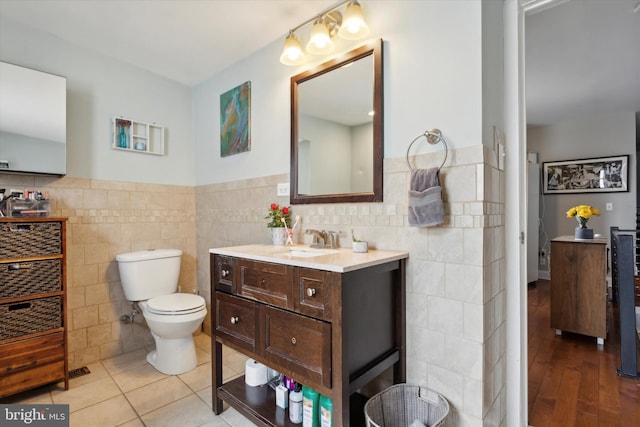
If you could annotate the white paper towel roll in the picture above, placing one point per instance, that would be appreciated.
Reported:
(255, 373)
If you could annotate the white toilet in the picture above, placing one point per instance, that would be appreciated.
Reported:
(151, 279)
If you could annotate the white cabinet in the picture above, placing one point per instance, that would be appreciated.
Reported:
(140, 137)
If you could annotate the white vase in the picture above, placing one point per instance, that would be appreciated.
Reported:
(360, 247)
(278, 235)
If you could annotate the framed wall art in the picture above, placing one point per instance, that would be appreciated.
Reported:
(597, 175)
(235, 120)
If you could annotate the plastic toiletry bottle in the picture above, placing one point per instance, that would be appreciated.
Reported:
(310, 399)
(289, 383)
(326, 411)
(295, 405)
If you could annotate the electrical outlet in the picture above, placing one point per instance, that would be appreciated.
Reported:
(283, 189)
(609, 206)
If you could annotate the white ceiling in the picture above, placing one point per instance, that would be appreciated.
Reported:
(184, 40)
(581, 56)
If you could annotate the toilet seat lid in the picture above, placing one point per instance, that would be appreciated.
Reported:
(176, 304)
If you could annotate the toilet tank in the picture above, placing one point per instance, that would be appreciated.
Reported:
(150, 273)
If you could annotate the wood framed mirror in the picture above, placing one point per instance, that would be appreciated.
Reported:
(337, 129)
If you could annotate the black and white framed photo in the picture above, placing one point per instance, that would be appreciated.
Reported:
(598, 175)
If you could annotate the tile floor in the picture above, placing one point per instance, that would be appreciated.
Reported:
(128, 391)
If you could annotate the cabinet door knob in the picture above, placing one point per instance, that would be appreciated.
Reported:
(311, 292)
(225, 273)
(234, 320)
(293, 340)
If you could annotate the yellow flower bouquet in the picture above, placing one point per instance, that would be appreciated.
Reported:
(582, 213)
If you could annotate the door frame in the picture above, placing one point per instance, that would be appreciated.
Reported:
(516, 216)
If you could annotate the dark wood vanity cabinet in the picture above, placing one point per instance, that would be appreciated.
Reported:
(33, 349)
(266, 282)
(300, 344)
(235, 319)
(334, 332)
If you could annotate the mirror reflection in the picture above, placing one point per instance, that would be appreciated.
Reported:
(335, 127)
(33, 119)
(337, 130)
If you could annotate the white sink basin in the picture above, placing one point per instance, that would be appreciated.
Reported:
(309, 252)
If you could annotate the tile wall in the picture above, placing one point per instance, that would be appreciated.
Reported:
(106, 218)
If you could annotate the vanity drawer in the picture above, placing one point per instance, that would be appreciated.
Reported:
(235, 321)
(298, 343)
(223, 273)
(266, 282)
(313, 292)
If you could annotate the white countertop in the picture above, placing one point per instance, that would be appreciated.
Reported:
(340, 260)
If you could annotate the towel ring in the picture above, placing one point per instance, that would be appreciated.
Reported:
(433, 136)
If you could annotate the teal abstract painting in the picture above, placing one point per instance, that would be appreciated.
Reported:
(235, 116)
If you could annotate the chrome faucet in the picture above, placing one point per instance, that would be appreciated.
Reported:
(332, 239)
(323, 239)
(319, 237)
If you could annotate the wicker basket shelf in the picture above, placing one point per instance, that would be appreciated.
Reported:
(28, 239)
(33, 336)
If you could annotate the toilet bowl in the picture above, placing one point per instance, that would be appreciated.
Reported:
(172, 327)
(150, 278)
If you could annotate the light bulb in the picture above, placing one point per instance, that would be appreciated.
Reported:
(353, 25)
(319, 41)
(292, 51)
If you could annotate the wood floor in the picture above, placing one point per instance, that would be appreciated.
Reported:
(572, 381)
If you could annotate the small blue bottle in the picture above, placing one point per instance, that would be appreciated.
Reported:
(122, 138)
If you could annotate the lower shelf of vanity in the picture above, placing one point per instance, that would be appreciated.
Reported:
(258, 404)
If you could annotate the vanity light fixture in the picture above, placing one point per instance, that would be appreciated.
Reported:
(349, 26)
(319, 41)
(292, 52)
(353, 26)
